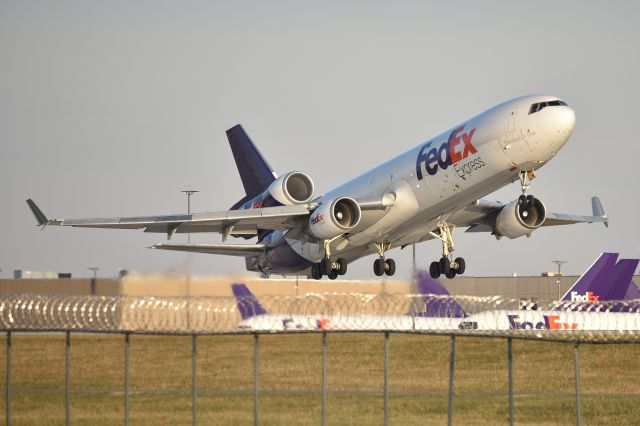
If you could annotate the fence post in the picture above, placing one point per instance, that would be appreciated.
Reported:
(386, 378)
(256, 371)
(68, 378)
(324, 378)
(127, 351)
(194, 380)
(452, 360)
(576, 366)
(9, 367)
(510, 357)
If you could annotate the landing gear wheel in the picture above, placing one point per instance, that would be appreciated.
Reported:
(316, 274)
(523, 200)
(445, 265)
(325, 266)
(342, 266)
(434, 270)
(378, 266)
(390, 267)
(461, 266)
(333, 274)
(451, 273)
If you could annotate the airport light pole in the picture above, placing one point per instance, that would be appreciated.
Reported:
(559, 263)
(189, 191)
(93, 280)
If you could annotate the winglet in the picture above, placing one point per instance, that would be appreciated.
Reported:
(596, 206)
(40, 217)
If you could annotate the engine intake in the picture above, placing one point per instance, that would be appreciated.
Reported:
(334, 218)
(292, 188)
(520, 217)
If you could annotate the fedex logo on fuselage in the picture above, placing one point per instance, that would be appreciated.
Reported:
(457, 148)
(549, 322)
(587, 297)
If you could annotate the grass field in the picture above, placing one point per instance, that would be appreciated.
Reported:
(160, 380)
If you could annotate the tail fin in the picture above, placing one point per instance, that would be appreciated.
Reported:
(248, 305)
(622, 276)
(255, 172)
(437, 306)
(596, 279)
(633, 292)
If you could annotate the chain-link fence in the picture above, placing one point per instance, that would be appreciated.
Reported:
(614, 322)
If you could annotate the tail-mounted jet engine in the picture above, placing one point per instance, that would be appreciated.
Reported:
(334, 218)
(289, 189)
(520, 217)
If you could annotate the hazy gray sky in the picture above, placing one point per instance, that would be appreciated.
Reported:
(111, 108)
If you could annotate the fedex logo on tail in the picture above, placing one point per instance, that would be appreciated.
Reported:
(587, 297)
(549, 322)
(457, 148)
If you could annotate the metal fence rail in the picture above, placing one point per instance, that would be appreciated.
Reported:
(257, 391)
(385, 314)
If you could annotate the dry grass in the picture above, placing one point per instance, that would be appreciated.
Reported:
(418, 377)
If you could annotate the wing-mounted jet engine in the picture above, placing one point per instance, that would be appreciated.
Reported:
(334, 218)
(331, 220)
(520, 217)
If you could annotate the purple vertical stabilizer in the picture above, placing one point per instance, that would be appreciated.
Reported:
(632, 292)
(438, 300)
(596, 279)
(248, 305)
(622, 277)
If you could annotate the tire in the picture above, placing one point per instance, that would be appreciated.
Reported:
(343, 266)
(445, 265)
(434, 270)
(315, 271)
(530, 199)
(378, 267)
(461, 266)
(390, 267)
(451, 274)
(325, 266)
(523, 201)
(333, 274)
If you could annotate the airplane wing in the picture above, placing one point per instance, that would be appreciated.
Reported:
(229, 222)
(479, 216)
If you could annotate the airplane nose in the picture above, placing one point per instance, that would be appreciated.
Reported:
(567, 120)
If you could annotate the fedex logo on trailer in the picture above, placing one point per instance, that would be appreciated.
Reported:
(587, 297)
(549, 322)
(457, 148)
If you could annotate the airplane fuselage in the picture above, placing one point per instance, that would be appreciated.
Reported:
(434, 181)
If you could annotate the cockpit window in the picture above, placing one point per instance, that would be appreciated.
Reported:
(538, 106)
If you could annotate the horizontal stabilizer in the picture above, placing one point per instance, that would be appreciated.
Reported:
(246, 250)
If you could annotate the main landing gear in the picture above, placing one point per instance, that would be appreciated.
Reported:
(326, 266)
(446, 266)
(381, 265)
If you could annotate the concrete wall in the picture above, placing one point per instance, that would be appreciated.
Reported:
(542, 288)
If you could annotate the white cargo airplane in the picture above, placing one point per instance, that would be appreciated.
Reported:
(424, 193)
